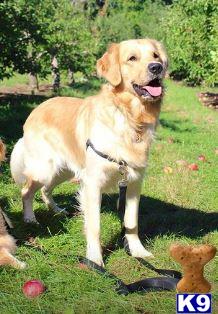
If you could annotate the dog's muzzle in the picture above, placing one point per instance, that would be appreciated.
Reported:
(153, 89)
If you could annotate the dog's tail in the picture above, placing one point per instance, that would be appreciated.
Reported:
(17, 163)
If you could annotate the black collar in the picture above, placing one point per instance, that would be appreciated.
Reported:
(105, 156)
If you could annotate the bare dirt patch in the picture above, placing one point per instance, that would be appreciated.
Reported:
(22, 89)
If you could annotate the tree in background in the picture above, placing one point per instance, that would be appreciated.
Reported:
(35, 34)
(192, 40)
(17, 31)
(69, 39)
(124, 20)
(69, 35)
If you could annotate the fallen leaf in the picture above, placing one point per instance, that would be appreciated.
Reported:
(170, 140)
(181, 162)
(168, 169)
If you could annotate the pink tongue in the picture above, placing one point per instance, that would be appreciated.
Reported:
(153, 90)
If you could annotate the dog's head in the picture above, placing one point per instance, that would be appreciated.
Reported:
(136, 66)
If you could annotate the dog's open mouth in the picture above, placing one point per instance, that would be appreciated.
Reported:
(153, 89)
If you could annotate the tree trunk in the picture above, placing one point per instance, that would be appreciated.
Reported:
(33, 82)
(32, 76)
(71, 79)
(55, 74)
(103, 10)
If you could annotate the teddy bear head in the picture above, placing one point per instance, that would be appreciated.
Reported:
(188, 254)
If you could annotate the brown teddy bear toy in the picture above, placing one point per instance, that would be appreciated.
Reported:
(193, 259)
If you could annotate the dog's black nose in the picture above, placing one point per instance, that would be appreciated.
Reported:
(155, 68)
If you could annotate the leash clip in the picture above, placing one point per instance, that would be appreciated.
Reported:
(124, 173)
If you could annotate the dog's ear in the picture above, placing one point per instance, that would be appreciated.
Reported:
(108, 66)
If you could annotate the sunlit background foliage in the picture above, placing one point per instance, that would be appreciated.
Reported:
(76, 33)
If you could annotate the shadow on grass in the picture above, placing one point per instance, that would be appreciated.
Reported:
(15, 108)
(158, 218)
(14, 111)
(50, 223)
(175, 125)
(155, 218)
(16, 99)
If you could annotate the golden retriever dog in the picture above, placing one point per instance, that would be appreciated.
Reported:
(7, 242)
(119, 121)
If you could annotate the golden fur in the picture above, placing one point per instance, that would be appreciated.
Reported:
(118, 120)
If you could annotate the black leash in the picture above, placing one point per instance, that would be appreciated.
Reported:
(163, 272)
(146, 285)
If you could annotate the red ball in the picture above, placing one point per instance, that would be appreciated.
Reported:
(33, 288)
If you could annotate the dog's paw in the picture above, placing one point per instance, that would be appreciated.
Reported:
(31, 220)
(21, 265)
(143, 254)
(95, 257)
(136, 249)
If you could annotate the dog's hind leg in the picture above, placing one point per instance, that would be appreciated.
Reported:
(28, 193)
(46, 192)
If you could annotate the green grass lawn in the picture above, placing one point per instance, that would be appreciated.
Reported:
(179, 206)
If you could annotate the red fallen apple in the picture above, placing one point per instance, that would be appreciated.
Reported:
(193, 167)
(33, 288)
(201, 158)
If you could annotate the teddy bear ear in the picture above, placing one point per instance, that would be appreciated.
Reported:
(206, 252)
(179, 252)
(175, 247)
(108, 66)
(174, 250)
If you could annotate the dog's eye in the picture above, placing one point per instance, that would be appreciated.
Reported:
(155, 55)
(132, 58)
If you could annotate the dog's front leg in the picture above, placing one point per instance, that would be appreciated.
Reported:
(131, 221)
(90, 205)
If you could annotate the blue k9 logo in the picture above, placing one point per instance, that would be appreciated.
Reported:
(193, 303)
